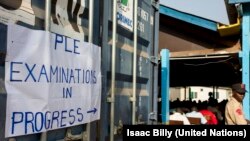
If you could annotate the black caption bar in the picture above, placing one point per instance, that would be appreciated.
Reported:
(181, 132)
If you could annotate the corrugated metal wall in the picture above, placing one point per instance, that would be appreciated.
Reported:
(124, 69)
(31, 13)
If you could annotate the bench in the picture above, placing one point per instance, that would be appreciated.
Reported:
(194, 120)
(175, 122)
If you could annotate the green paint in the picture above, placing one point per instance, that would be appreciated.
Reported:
(124, 2)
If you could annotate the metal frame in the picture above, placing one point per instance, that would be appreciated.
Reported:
(188, 18)
(245, 56)
(47, 28)
(133, 98)
(238, 1)
(155, 66)
(165, 86)
(105, 60)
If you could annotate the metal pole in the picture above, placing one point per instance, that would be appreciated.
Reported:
(46, 27)
(105, 103)
(165, 86)
(112, 97)
(134, 63)
(155, 67)
(245, 56)
(91, 17)
(90, 39)
(47, 15)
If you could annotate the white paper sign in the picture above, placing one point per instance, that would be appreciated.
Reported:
(52, 81)
(125, 13)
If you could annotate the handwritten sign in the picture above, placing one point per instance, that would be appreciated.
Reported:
(52, 81)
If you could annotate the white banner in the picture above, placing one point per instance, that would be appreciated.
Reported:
(52, 81)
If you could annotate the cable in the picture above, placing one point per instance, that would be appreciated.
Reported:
(208, 62)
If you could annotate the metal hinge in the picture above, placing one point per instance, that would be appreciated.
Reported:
(153, 116)
(154, 60)
(155, 4)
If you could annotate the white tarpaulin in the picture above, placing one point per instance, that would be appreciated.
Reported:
(52, 81)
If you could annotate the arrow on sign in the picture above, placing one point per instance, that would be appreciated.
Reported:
(92, 111)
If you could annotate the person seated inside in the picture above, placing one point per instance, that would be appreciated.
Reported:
(178, 115)
(209, 115)
(196, 114)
